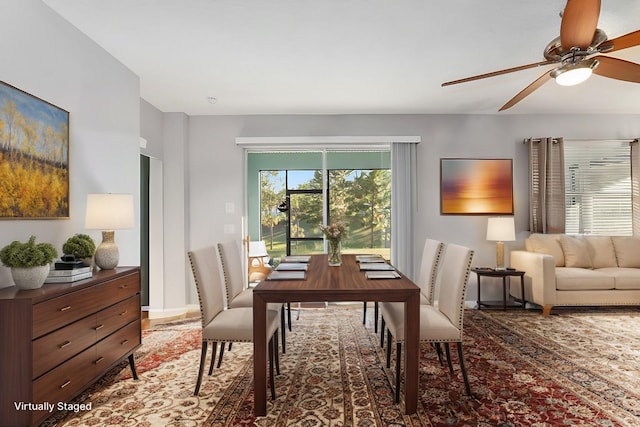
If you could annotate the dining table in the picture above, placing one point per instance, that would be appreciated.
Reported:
(324, 283)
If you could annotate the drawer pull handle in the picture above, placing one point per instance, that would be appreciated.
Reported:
(64, 344)
(97, 328)
(124, 342)
(65, 308)
(124, 312)
(99, 360)
(65, 384)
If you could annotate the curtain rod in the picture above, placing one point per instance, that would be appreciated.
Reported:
(538, 140)
(555, 140)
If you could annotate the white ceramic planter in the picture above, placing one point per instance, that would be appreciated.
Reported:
(30, 277)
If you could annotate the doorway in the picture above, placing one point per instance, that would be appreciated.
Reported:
(151, 233)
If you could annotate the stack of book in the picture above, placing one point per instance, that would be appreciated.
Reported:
(68, 271)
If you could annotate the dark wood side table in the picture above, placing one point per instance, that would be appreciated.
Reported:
(504, 274)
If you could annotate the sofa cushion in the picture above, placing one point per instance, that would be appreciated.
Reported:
(576, 253)
(601, 251)
(582, 279)
(625, 278)
(546, 244)
(627, 251)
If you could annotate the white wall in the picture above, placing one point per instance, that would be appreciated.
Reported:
(215, 164)
(47, 57)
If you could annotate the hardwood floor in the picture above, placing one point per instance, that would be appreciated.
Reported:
(149, 323)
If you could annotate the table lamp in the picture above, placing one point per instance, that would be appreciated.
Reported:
(258, 271)
(500, 230)
(108, 212)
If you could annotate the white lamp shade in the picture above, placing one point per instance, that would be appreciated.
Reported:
(258, 249)
(109, 211)
(501, 229)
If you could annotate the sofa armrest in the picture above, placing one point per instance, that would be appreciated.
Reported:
(539, 278)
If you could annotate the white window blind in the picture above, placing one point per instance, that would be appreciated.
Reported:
(598, 187)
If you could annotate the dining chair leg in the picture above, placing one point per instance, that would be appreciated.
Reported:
(364, 313)
(448, 353)
(271, 377)
(463, 369)
(203, 356)
(275, 351)
(388, 349)
(382, 324)
(398, 360)
(219, 358)
(438, 349)
(213, 359)
(375, 316)
(283, 327)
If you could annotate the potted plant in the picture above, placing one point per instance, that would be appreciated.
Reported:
(81, 246)
(29, 262)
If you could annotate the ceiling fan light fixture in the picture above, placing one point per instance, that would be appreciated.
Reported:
(572, 74)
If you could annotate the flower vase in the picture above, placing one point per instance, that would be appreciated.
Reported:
(335, 253)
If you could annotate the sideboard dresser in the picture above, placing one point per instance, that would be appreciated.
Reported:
(58, 340)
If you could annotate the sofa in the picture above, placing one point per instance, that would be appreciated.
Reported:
(578, 270)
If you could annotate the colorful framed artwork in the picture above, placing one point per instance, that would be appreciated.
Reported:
(34, 157)
(476, 186)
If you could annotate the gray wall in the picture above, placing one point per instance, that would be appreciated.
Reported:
(46, 57)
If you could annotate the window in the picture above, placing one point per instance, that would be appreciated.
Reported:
(292, 193)
(598, 187)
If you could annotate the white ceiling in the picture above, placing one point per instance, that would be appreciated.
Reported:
(347, 56)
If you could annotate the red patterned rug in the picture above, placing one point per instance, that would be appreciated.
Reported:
(577, 368)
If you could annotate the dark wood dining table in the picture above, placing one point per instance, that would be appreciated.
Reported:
(342, 283)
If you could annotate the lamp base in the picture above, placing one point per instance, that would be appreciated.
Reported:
(500, 256)
(107, 254)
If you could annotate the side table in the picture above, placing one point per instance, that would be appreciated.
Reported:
(504, 274)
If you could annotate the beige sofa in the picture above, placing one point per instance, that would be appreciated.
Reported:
(585, 270)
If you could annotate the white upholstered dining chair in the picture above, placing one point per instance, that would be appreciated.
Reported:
(220, 325)
(441, 324)
(428, 276)
(237, 295)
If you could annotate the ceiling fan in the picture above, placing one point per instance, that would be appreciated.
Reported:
(578, 51)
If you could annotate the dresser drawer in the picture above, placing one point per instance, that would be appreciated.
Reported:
(118, 290)
(118, 344)
(57, 312)
(51, 350)
(66, 380)
(115, 317)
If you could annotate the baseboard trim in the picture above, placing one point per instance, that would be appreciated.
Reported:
(168, 314)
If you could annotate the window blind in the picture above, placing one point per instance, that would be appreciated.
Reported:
(598, 187)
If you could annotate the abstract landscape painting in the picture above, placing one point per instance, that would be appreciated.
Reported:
(476, 186)
(34, 157)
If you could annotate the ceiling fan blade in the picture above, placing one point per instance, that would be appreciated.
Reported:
(618, 69)
(497, 73)
(579, 22)
(527, 91)
(623, 42)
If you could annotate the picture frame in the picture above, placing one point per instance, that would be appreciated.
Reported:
(476, 186)
(34, 157)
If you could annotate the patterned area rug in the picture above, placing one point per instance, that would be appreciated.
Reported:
(577, 368)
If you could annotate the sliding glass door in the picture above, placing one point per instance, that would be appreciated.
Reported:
(290, 194)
